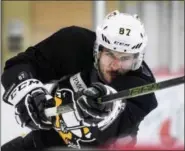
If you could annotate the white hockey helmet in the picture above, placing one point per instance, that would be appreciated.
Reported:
(122, 33)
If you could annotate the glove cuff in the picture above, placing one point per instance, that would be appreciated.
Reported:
(20, 91)
(101, 87)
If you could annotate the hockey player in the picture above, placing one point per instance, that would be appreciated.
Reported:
(88, 65)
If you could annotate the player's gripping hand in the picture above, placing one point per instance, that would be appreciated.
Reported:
(30, 110)
(30, 98)
(88, 106)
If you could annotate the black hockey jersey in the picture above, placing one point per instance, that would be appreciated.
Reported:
(124, 123)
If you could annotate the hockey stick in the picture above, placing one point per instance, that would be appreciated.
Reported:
(142, 90)
(124, 94)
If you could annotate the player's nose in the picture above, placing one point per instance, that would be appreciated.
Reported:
(115, 65)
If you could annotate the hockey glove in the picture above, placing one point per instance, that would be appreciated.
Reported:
(30, 98)
(87, 105)
(34, 105)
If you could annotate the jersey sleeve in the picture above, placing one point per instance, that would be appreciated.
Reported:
(136, 109)
(52, 58)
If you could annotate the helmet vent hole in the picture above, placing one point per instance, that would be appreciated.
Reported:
(105, 27)
(141, 35)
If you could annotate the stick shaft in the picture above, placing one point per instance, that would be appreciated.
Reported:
(142, 90)
(124, 94)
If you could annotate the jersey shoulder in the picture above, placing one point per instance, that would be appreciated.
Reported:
(144, 73)
(76, 32)
(68, 37)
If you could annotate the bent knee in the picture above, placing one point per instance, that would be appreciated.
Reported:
(14, 145)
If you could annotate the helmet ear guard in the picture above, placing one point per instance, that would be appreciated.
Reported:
(122, 33)
(136, 65)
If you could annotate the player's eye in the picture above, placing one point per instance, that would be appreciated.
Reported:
(124, 58)
(109, 53)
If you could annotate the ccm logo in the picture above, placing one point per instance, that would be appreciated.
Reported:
(22, 86)
(121, 43)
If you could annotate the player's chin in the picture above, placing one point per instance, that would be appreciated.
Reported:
(123, 71)
(109, 76)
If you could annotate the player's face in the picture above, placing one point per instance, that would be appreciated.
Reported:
(112, 63)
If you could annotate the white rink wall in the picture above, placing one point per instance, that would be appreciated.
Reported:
(169, 114)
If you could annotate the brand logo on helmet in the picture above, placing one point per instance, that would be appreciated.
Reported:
(120, 43)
